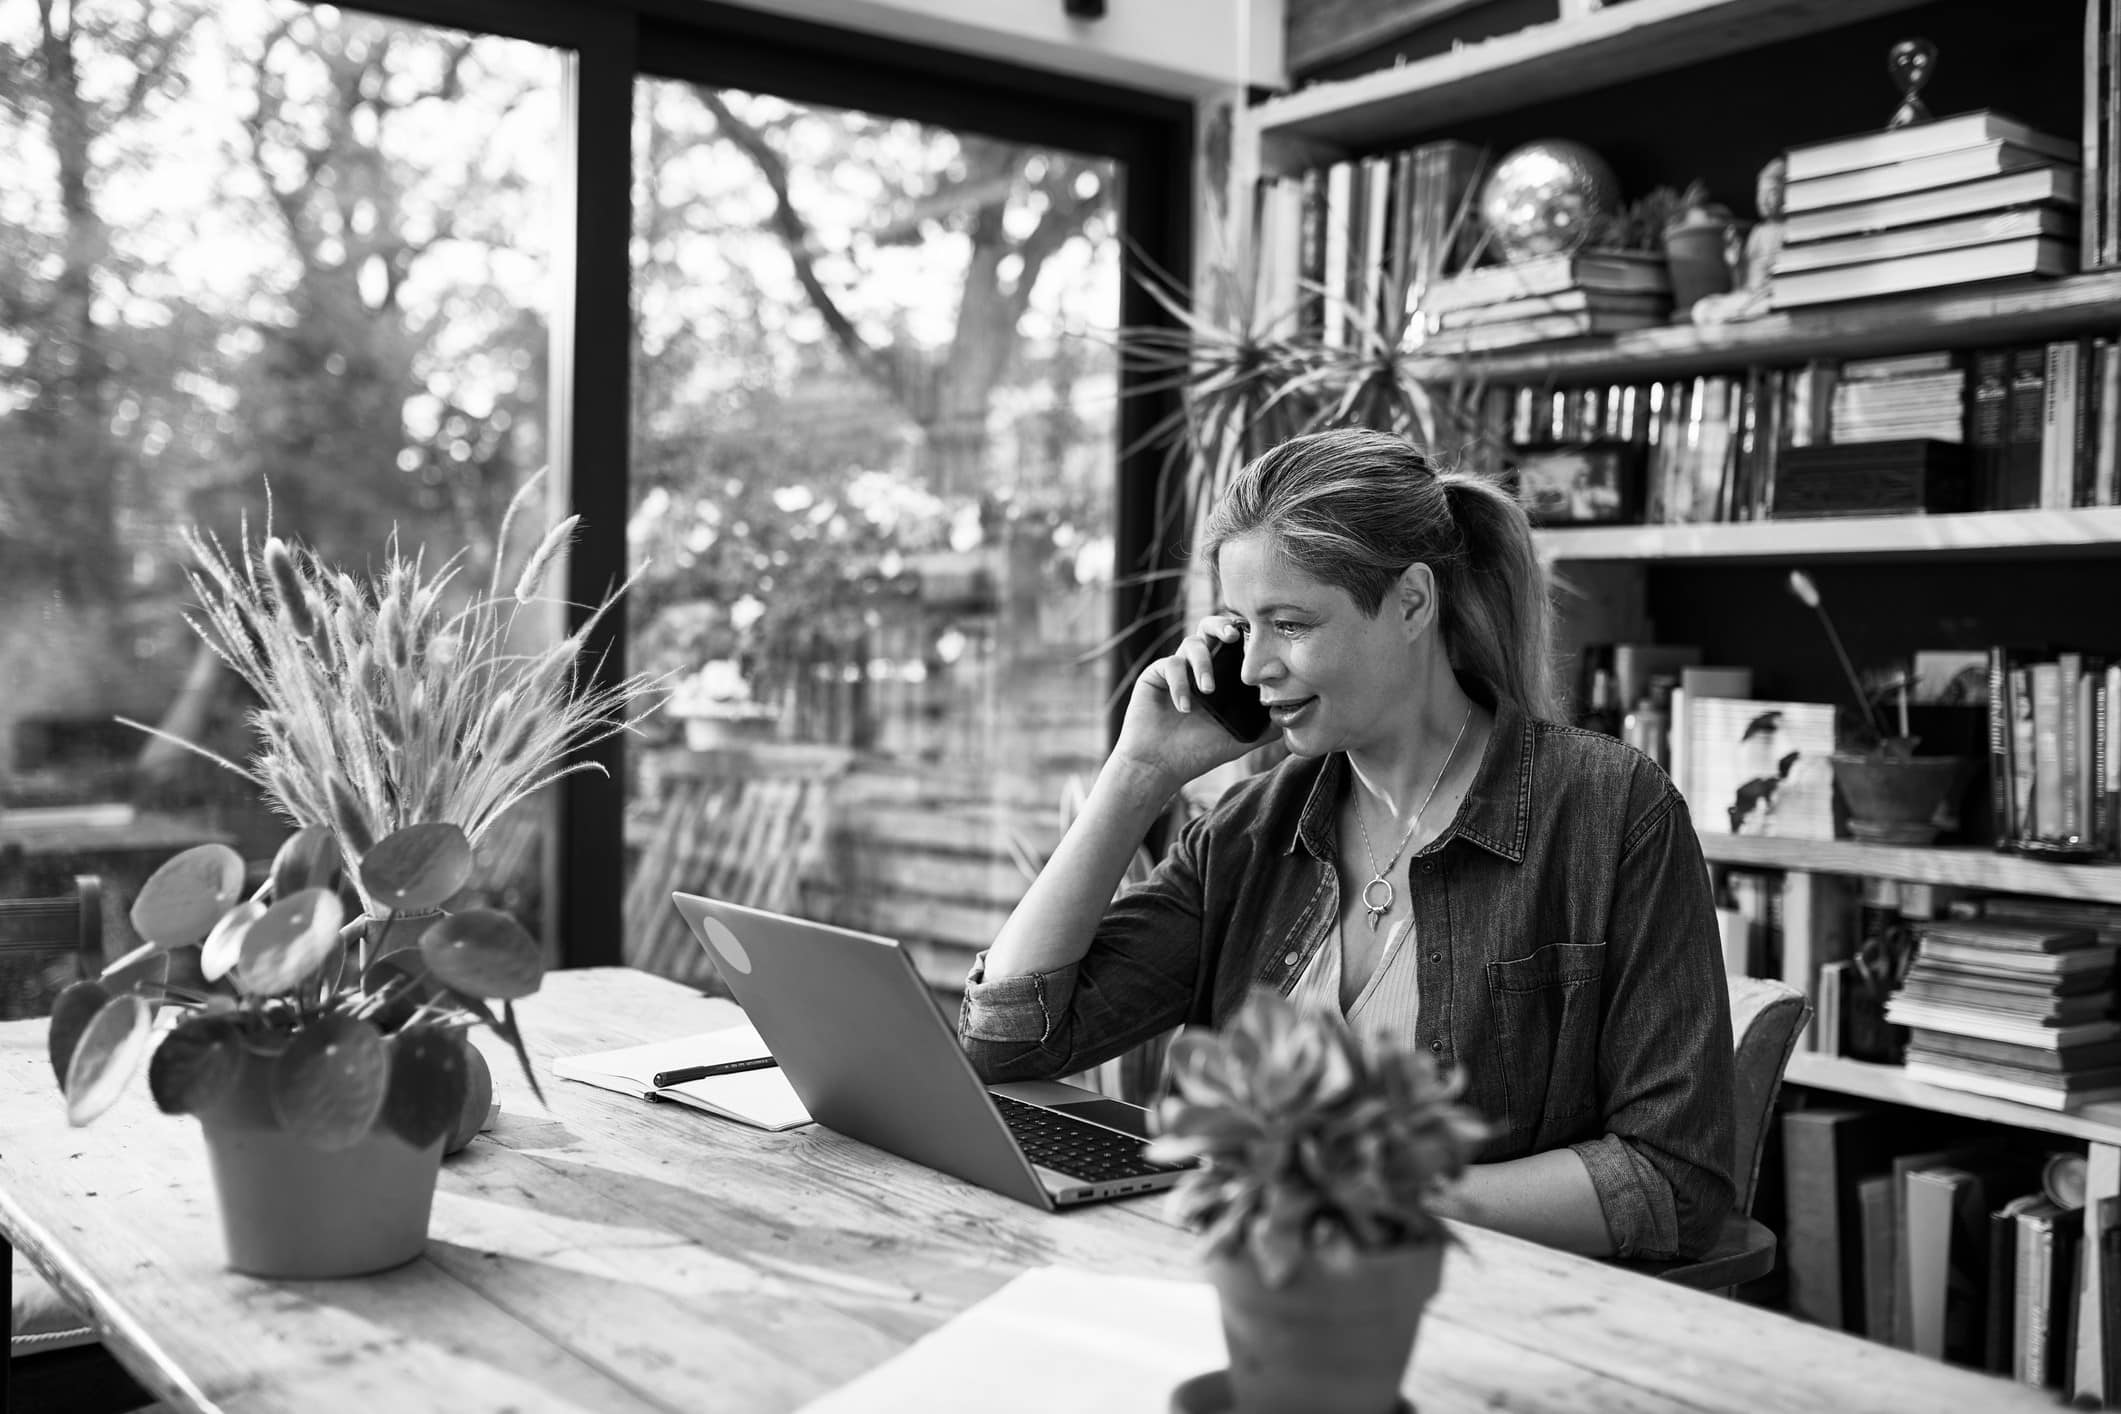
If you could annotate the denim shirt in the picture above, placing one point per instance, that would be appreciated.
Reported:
(1569, 964)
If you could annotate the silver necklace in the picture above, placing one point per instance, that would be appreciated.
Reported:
(1378, 880)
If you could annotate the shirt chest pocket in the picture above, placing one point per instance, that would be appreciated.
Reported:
(1545, 1012)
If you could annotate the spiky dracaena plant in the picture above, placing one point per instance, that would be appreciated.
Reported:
(384, 704)
(395, 729)
(1312, 1145)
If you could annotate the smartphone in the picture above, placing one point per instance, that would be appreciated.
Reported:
(1235, 703)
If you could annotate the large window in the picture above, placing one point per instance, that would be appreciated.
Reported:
(247, 251)
(389, 263)
(873, 471)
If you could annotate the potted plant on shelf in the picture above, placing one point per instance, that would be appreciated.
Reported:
(1892, 795)
(1319, 1157)
(327, 1059)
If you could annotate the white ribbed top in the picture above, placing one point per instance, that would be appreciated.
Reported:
(1389, 1006)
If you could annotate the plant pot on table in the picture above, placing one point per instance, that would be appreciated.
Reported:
(1330, 1341)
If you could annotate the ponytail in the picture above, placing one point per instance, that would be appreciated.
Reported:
(1354, 508)
(1497, 610)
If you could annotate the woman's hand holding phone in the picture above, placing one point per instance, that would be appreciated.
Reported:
(1175, 723)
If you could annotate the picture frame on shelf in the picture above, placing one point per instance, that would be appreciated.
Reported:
(1592, 483)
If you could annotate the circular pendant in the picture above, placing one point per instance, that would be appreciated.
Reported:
(1377, 910)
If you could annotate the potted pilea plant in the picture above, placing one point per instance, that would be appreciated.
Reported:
(1319, 1157)
(324, 1050)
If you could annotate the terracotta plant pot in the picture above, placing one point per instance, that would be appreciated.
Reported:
(293, 1211)
(1697, 257)
(1899, 800)
(1329, 1342)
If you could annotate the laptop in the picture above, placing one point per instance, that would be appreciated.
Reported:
(865, 1045)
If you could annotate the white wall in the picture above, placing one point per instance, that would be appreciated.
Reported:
(1185, 48)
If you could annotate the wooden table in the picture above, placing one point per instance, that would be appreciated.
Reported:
(614, 1255)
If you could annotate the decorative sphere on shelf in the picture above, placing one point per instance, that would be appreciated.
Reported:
(1546, 197)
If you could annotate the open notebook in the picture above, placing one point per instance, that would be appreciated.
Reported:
(758, 1097)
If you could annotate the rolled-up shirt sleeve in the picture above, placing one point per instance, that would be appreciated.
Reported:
(1663, 1167)
(1136, 981)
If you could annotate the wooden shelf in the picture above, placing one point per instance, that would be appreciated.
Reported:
(1966, 867)
(1983, 535)
(1397, 106)
(2100, 1123)
(2005, 312)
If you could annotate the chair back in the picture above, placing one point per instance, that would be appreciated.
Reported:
(46, 943)
(1767, 1017)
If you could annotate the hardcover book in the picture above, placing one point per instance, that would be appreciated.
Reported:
(2001, 260)
(1551, 274)
(2033, 186)
(1931, 236)
(1916, 174)
(1760, 768)
(1940, 135)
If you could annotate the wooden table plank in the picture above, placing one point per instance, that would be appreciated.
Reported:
(616, 1254)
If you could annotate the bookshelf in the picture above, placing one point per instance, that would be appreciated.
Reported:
(1568, 56)
(1669, 90)
(2094, 1123)
(2054, 534)
(1961, 317)
(1970, 868)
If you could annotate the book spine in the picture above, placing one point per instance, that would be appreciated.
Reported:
(2020, 488)
(2024, 751)
(1812, 1238)
(2000, 1347)
(2002, 821)
(1874, 1198)
(1988, 424)
(2106, 438)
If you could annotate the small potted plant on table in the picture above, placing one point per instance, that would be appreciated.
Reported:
(326, 1059)
(1318, 1160)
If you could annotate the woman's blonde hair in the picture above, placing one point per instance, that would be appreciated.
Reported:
(1354, 508)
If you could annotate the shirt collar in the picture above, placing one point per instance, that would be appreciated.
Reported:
(1495, 813)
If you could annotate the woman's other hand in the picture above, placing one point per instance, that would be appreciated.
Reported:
(1167, 732)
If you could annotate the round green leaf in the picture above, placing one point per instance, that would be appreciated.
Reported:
(144, 972)
(405, 974)
(195, 1064)
(484, 953)
(418, 867)
(181, 900)
(308, 860)
(223, 947)
(71, 1014)
(109, 1052)
(289, 943)
(429, 1075)
(328, 1086)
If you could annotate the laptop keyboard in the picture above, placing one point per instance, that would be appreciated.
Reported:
(1076, 1147)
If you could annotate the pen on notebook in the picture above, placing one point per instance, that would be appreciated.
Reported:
(701, 1072)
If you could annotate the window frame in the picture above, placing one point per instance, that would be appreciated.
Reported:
(699, 41)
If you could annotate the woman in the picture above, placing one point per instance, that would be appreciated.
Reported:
(1438, 857)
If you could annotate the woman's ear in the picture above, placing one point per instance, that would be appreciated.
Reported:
(1415, 599)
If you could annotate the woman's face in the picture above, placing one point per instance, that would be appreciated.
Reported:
(1333, 677)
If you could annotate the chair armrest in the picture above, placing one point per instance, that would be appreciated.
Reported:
(1744, 1251)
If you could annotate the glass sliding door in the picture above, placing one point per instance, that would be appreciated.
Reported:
(247, 247)
(874, 446)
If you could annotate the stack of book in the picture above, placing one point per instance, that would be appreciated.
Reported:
(1978, 196)
(1896, 399)
(1551, 297)
(2017, 1010)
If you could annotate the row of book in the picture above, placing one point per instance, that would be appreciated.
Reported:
(2014, 998)
(2035, 426)
(2054, 752)
(1369, 235)
(1966, 198)
(1954, 1241)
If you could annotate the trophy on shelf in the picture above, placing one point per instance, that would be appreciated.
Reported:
(1911, 62)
